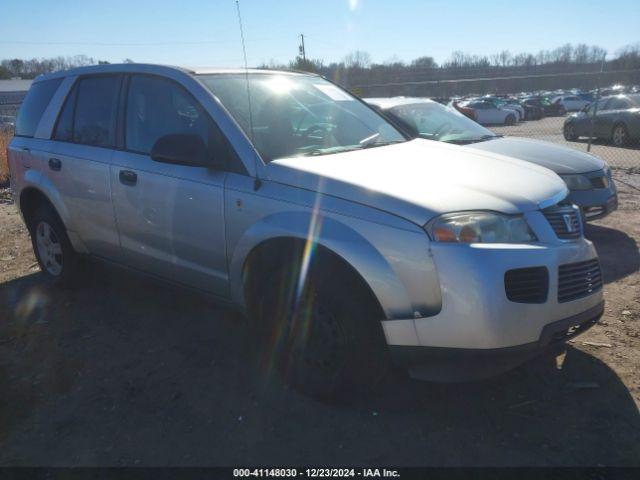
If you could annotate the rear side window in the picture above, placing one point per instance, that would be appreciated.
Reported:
(95, 113)
(34, 105)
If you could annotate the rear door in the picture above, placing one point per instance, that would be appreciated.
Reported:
(78, 162)
(170, 217)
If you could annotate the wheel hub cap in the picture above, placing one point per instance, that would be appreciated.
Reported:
(49, 248)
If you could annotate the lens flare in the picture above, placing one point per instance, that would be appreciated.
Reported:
(294, 304)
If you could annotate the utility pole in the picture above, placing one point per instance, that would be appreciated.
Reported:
(303, 54)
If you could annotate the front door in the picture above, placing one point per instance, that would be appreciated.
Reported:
(170, 217)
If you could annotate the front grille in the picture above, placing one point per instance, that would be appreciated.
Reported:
(600, 182)
(577, 280)
(565, 221)
(527, 285)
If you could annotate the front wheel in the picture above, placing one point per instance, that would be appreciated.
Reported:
(323, 338)
(53, 250)
(510, 120)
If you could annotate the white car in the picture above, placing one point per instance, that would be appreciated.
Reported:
(488, 114)
(571, 103)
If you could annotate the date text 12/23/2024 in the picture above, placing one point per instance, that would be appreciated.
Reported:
(315, 472)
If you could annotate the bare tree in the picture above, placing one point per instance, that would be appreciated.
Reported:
(357, 59)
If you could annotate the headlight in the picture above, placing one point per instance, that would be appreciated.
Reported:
(480, 227)
(577, 182)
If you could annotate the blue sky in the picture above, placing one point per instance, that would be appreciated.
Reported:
(205, 32)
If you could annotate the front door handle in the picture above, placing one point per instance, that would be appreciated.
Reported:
(127, 177)
(55, 164)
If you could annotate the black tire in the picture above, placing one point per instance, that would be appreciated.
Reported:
(57, 259)
(620, 135)
(569, 132)
(562, 111)
(510, 120)
(329, 343)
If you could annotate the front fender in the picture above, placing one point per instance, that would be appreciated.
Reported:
(335, 235)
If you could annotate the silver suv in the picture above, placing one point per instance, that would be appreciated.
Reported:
(345, 243)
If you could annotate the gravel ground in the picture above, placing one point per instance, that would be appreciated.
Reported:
(126, 371)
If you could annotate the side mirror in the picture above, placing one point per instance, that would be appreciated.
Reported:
(181, 149)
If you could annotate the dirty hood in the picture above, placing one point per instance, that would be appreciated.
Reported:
(560, 159)
(420, 179)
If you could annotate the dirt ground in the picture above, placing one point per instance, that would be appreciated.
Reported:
(126, 371)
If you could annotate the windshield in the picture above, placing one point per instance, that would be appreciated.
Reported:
(437, 122)
(294, 115)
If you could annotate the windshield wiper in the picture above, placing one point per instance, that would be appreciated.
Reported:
(467, 141)
(381, 144)
(348, 148)
(369, 140)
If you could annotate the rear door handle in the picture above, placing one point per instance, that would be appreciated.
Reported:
(55, 164)
(127, 177)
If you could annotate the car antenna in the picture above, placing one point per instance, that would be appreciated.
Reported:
(257, 182)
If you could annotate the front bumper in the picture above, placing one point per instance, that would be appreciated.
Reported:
(475, 311)
(458, 364)
(596, 202)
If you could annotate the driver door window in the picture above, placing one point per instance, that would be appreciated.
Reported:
(157, 107)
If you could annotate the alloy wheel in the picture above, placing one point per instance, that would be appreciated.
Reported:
(619, 136)
(49, 248)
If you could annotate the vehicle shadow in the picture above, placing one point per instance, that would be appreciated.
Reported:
(126, 371)
(618, 252)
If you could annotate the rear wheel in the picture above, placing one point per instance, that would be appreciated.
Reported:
(510, 119)
(619, 135)
(562, 111)
(325, 338)
(53, 250)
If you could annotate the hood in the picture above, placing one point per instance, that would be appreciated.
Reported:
(420, 179)
(558, 158)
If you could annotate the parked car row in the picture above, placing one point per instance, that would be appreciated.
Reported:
(615, 118)
(348, 235)
(507, 110)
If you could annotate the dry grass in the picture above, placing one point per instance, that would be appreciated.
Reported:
(5, 138)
